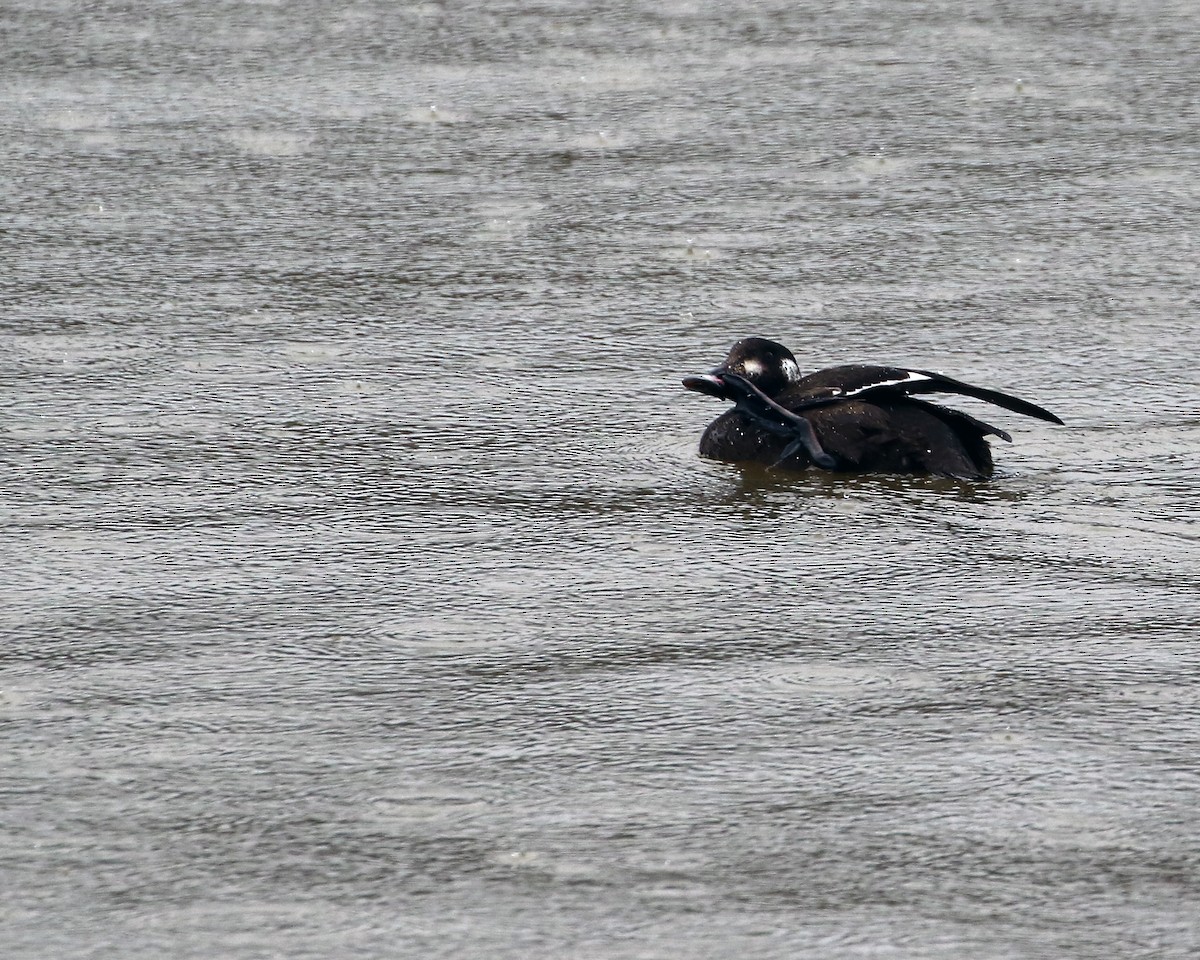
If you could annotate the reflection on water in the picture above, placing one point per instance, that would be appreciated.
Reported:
(365, 593)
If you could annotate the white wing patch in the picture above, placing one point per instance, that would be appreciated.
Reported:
(911, 377)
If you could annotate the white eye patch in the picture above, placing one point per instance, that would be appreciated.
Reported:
(752, 367)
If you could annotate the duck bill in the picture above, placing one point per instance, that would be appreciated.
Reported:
(709, 384)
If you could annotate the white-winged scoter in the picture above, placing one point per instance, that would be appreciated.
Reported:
(854, 418)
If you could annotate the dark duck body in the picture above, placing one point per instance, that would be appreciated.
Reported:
(855, 418)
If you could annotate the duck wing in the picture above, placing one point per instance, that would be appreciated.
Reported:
(861, 381)
(960, 420)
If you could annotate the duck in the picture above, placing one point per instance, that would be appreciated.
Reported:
(856, 418)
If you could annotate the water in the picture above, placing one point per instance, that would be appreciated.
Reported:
(363, 594)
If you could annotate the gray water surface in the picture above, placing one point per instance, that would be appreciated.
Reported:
(363, 594)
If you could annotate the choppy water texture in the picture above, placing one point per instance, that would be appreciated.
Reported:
(363, 595)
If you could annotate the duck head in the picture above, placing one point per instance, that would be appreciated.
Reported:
(768, 365)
